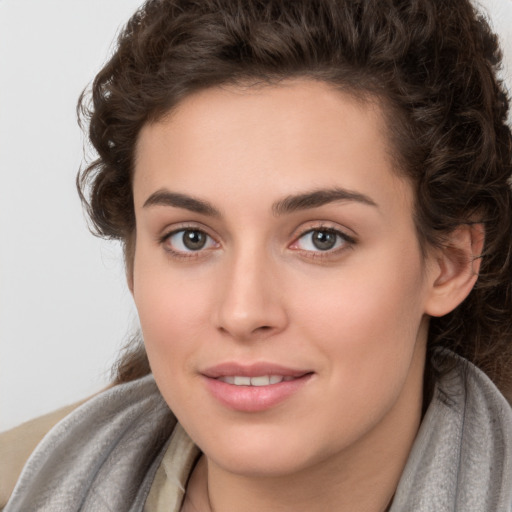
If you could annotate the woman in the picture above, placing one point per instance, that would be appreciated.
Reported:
(314, 203)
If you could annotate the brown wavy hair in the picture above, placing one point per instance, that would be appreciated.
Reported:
(430, 64)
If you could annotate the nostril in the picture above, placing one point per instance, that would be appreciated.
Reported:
(264, 328)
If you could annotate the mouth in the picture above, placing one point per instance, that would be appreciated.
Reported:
(261, 380)
(254, 388)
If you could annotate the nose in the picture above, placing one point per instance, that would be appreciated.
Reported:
(251, 304)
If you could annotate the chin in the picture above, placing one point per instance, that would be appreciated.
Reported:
(262, 451)
(261, 464)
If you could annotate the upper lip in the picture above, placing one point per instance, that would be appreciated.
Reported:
(251, 370)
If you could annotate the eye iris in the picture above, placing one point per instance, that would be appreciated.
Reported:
(194, 240)
(324, 240)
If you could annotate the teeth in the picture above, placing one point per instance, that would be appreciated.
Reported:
(263, 380)
(260, 381)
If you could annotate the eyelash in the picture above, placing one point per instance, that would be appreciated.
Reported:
(342, 242)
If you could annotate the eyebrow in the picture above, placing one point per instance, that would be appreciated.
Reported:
(289, 204)
(166, 198)
(318, 198)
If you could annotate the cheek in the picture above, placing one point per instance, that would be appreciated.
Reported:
(170, 317)
(172, 308)
(366, 320)
(367, 330)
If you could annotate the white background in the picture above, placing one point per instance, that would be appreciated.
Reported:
(64, 307)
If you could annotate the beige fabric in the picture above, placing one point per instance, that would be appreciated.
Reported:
(17, 444)
(170, 481)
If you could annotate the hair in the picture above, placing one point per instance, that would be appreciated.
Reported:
(430, 65)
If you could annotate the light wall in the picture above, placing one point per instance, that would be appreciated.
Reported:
(64, 306)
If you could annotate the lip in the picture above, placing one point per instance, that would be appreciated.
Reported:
(253, 398)
(251, 370)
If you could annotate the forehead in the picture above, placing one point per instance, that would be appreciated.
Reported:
(233, 142)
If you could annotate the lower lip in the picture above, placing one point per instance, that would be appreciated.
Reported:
(254, 398)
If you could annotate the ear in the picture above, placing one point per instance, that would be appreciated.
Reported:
(454, 269)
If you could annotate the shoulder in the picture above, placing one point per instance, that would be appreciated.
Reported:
(18, 443)
(111, 442)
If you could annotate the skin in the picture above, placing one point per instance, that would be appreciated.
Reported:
(354, 316)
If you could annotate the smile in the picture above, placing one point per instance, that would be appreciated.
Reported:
(262, 380)
(254, 388)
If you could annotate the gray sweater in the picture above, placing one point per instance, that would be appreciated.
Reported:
(104, 456)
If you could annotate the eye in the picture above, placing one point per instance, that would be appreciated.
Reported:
(321, 240)
(188, 240)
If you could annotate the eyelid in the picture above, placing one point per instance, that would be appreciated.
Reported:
(171, 229)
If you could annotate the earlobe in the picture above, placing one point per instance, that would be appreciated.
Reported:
(455, 268)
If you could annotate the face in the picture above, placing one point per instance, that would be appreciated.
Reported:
(277, 275)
